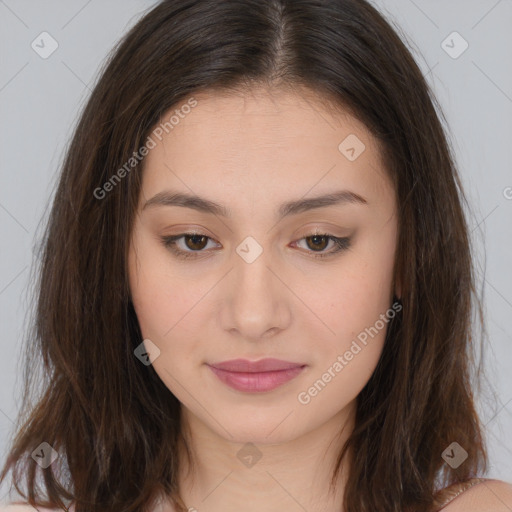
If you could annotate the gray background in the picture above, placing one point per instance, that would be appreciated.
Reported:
(40, 99)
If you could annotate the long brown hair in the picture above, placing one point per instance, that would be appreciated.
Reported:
(117, 448)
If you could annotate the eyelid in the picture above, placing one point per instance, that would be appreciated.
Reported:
(170, 243)
(340, 244)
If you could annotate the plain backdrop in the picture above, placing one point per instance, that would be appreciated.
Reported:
(470, 72)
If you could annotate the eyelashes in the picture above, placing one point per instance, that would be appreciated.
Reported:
(339, 244)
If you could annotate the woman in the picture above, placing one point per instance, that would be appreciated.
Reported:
(257, 283)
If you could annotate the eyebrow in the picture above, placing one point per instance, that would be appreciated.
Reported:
(185, 200)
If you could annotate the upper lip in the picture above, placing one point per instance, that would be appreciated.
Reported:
(263, 365)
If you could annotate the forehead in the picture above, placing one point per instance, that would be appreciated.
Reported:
(261, 144)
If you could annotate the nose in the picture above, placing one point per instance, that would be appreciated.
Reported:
(257, 301)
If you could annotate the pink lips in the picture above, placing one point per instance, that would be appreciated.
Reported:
(263, 375)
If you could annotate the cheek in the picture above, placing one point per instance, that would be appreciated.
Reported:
(152, 288)
(153, 293)
(358, 310)
(347, 360)
(165, 302)
(355, 295)
(160, 305)
(160, 302)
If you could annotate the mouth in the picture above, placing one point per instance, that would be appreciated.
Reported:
(257, 376)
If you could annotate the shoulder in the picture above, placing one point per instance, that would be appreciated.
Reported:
(16, 507)
(25, 507)
(486, 496)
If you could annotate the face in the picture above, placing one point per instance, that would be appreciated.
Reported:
(268, 273)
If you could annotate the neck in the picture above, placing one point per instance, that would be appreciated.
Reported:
(222, 475)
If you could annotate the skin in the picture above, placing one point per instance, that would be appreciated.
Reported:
(251, 152)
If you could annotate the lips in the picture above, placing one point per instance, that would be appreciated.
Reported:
(256, 376)
(264, 365)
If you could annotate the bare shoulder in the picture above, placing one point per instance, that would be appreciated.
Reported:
(23, 507)
(486, 496)
(18, 507)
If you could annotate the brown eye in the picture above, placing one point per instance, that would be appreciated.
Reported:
(190, 245)
(319, 242)
(197, 242)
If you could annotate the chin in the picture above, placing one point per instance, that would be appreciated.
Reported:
(274, 429)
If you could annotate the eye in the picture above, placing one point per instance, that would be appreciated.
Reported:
(320, 240)
(195, 244)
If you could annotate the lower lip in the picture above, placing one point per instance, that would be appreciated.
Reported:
(256, 382)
